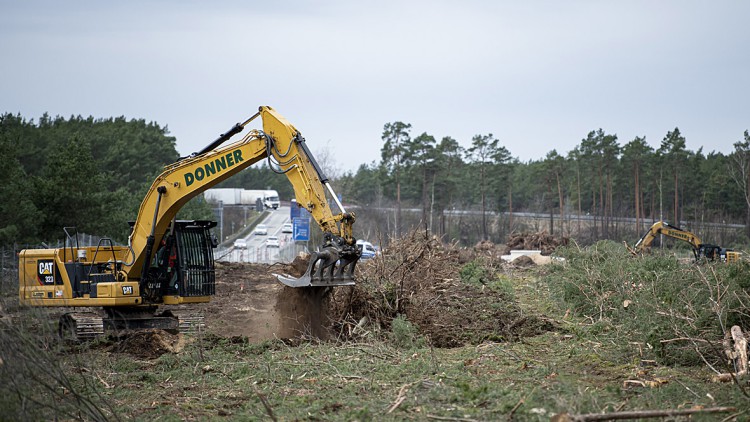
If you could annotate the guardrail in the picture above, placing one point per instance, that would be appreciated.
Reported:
(285, 253)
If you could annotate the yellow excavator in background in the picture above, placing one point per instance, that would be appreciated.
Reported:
(169, 261)
(702, 251)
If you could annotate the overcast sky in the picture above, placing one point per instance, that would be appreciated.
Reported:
(538, 75)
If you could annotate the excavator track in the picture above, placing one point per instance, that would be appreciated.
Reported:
(191, 323)
(80, 326)
(76, 327)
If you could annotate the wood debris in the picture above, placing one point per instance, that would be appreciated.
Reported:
(446, 291)
(542, 241)
(735, 347)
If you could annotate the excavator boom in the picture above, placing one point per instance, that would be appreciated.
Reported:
(284, 146)
(168, 261)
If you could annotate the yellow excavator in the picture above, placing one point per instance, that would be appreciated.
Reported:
(169, 261)
(701, 251)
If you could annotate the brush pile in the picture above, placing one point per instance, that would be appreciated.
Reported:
(542, 241)
(453, 296)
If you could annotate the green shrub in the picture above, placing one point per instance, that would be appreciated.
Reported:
(404, 334)
(473, 273)
(481, 274)
(671, 307)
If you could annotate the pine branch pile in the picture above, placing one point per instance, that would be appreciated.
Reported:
(452, 295)
(536, 241)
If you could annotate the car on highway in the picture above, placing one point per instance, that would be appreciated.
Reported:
(272, 242)
(240, 244)
(286, 228)
(368, 250)
(261, 230)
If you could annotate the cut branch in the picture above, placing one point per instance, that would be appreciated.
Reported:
(636, 414)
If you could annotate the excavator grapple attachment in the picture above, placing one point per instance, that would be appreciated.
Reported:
(328, 267)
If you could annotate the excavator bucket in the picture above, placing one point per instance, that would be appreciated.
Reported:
(327, 268)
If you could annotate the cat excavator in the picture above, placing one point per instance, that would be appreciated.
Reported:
(169, 261)
(701, 251)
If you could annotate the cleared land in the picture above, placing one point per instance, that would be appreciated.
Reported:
(432, 332)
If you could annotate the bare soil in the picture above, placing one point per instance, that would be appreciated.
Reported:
(418, 278)
(145, 344)
(250, 302)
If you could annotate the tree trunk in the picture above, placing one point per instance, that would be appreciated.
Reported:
(602, 209)
(609, 204)
(551, 222)
(676, 201)
(643, 212)
(562, 207)
(398, 208)
(578, 179)
(653, 205)
(594, 211)
(551, 208)
(484, 214)
(432, 200)
(424, 198)
(637, 205)
(510, 209)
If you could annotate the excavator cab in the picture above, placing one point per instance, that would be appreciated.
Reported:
(716, 253)
(183, 265)
(708, 252)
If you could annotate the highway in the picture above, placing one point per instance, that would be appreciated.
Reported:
(256, 244)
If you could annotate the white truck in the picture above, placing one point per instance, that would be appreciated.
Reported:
(228, 196)
(237, 196)
(272, 199)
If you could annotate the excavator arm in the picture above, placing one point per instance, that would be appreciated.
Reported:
(283, 145)
(130, 282)
(662, 227)
(700, 249)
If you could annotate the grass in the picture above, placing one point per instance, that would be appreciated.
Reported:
(579, 367)
(670, 308)
(535, 379)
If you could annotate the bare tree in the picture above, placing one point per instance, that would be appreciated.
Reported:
(327, 161)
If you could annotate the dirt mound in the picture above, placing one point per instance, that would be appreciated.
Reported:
(536, 241)
(524, 261)
(145, 344)
(451, 303)
(298, 265)
(451, 294)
